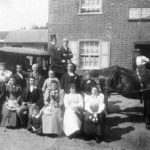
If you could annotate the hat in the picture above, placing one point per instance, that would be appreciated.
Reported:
(138, 50)
(53, 37)
(65, 40)
(2, 64)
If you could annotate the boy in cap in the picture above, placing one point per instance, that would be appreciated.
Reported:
(65, 51)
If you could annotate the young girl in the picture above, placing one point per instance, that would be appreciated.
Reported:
(48, 81)
(94, 121)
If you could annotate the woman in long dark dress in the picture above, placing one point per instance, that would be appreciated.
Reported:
(11, 105)
(94, 122)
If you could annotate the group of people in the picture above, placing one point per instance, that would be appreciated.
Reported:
(69, 106)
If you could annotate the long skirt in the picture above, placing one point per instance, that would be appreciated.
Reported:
(94, 128)
(52, 123)
(9, 117)
(71, 123)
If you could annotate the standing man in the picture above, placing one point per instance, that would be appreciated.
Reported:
(38, 78)
(70, 77)
(65, 51)
(141, 60)
(20, 77)
(56, 61)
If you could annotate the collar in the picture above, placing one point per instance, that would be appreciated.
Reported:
(71, 73)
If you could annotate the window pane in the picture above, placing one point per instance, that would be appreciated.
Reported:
(90, 6)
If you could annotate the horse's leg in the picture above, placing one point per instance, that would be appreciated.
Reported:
(106, 95)
(147, 111)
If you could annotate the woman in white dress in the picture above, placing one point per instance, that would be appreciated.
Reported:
(52, 111)
(73, 103)
(94, 121)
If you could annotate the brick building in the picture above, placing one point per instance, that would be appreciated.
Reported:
(102, 33)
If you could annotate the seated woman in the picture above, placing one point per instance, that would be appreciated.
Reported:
(73, 112)
(11, 105)
(94, 122)
(52, 111)
(48, 81)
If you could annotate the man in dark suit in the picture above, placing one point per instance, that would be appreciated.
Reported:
(70, 77)
(20, 77)
(65, 52)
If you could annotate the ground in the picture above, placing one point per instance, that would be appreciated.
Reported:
(125, 130)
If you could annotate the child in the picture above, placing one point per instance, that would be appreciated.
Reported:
(48, 81)
(35, 122)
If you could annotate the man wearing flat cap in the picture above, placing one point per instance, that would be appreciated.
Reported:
(141, 60)
(65, 51)
(4, 73)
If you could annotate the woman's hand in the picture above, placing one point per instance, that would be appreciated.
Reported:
(24, 103)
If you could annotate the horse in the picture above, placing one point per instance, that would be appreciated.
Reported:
(125, 82)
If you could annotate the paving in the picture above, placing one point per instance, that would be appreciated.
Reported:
(125, 130)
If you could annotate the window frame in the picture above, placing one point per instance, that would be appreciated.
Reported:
(99, 53)
(90, 13)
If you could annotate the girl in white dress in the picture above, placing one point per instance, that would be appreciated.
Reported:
(94, 121)
(73, 103)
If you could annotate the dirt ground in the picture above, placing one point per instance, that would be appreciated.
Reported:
(125, 130)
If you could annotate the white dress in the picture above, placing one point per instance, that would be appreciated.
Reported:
(71, 122)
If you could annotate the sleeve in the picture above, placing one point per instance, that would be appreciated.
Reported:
(44, 86)
(146, 59)
(62, 82)
(87, 103)
(23, 96)
(46, 96)
(61, 97)
(80, 102)
(101, 103)
(66, 101)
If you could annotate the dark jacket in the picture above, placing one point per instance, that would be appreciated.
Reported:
(56, 60)
(86, 87)
(33, 97)
(21, 81)
(66, 79)
(66, 51)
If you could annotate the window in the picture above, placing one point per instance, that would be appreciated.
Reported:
(90, 6)
(136, 14)
(93, 54)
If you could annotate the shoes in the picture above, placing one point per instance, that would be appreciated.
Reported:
(98, 139)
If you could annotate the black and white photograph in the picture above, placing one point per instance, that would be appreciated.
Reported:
(74, 74)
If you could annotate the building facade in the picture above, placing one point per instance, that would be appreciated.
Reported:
(102, 33)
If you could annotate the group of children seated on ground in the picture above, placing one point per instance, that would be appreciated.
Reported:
(71, 113)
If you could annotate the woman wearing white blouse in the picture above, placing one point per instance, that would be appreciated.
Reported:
(73, 105)
(94, 115)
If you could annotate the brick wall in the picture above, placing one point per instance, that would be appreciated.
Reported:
(111, 25)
